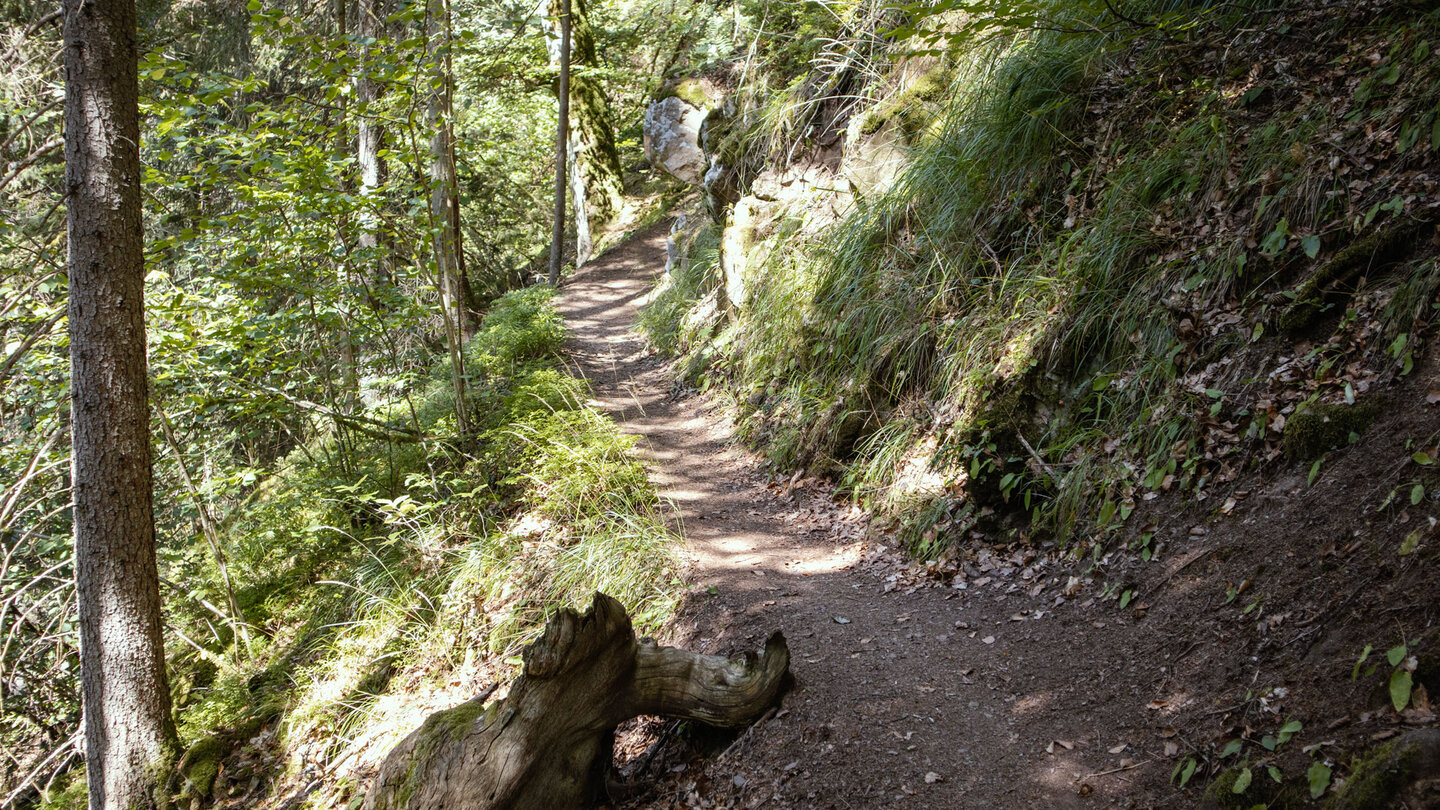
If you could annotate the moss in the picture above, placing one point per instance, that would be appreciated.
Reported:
(913, 109)
(1374, 252)
(1378, 778)
(458, 719)
(75, 795)
(1262, 791)
(690, 91)
(1315, 428)
(201, 764)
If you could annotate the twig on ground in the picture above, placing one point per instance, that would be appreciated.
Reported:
(1132, 766)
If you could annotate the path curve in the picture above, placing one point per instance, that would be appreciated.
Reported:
(930, 697)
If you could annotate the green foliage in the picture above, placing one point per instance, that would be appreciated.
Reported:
(73, 793)
(521, 326)
(293, 361)
(475, 549)
(985, 336)
(950, 25)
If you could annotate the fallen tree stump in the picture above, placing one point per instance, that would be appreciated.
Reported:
(548, 743)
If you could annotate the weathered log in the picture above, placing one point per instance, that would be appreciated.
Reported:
(548, 743)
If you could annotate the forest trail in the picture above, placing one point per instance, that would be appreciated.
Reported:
(928, 696)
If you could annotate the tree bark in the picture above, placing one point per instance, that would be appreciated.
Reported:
(562, 140)
(129, 733)
(444, 223)
(548, 743)
(596, 184)
(370, 140)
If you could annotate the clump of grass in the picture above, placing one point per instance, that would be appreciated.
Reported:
(521, 326)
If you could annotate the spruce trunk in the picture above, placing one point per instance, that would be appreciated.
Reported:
(129, 733)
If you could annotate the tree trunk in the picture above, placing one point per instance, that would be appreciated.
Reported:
(129, 733)
(562, 140)
(595, 175)
(369, 141)
(345, 340)
(547, 745)
(443, 223)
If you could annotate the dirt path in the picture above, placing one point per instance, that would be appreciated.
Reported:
(929, 697)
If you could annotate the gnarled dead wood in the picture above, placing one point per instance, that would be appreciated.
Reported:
(548, 743)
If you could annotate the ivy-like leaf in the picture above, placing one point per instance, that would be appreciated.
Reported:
(1319, 778)
(1400, 683)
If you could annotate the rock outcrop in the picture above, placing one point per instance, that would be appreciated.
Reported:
(672, 139)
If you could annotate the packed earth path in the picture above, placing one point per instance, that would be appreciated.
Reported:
(925, 694)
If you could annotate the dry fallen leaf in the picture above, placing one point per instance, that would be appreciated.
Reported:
(1121, 747)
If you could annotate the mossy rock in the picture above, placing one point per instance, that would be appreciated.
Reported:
(913, 109)
(201, 764)
(695, 365)
(1319, 427)
(1378, 779)
(1262, 790)
(691, 91)
(1002, 420)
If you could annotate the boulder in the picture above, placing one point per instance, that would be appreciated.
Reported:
(873, 161)
(672, 138)
(722, 190)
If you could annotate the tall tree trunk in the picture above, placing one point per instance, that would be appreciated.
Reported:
(595, 174)
(129, 733)
(562, 140)
(369, 141)
(444, 222)
(349, 367)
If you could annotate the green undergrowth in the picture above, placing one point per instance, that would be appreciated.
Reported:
(361, 564)
(1025, 334)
